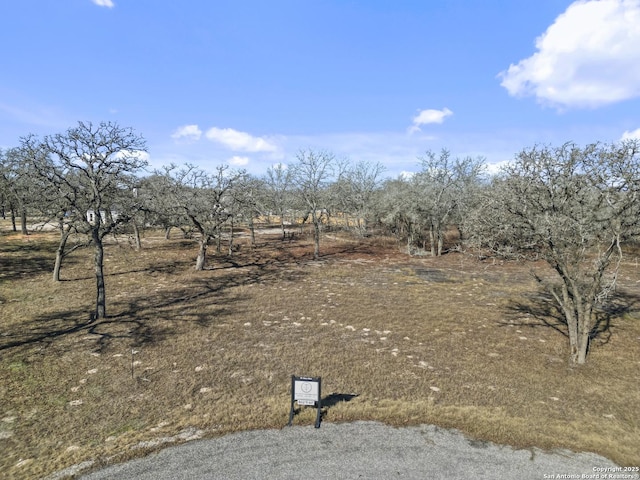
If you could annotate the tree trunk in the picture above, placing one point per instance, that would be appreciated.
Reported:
(219, 240)
(284, 233)
(569, 312)
(101, 303)
(202, 253)
(13, 219)
(231, 238)
(432, 240)
(167, 233)
(316, 235)
(585, 322)
(136, 236)
(64, 236)
(579, 317)
(583, 346)
(23, 221)
(252, 231)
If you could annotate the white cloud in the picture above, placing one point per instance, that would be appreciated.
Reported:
(238, 161)
(429, 116)
(240, 141)
(191, 132)
(104, 3)
(138, 154)
(589, 57)
(631, 135)
(495, 168)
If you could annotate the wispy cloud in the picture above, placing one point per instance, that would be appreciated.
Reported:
(190, 132)
(429, 116)
(395, 150)
(240, 141)
(239, 161)
(104, 3)
(633, 135)
(589, 57)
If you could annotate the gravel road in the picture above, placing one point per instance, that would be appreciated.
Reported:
(360, 450)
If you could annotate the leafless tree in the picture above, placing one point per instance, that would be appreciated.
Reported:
(202, 199)
(248, 203)
(93, 168)
(352, 193)
(400, 209)
(312, 174)
(17, 185)
(443, 184)
(278, 194)
(55, 197)
(573, 207)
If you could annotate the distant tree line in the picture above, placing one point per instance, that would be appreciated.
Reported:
(573, 207)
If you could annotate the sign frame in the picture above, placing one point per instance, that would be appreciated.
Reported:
(307, 391)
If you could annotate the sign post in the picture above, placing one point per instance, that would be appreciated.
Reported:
(306, 391)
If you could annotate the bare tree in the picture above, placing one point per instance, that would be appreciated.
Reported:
(442, 183)
(200, 198)
(311, 176)
(573, 207)
(400, 209)
(160, 207)
(278, 183)
(6, 197)
(248, 198)
(55, 197)
(362, 181)
(17, 185)
(93, 168)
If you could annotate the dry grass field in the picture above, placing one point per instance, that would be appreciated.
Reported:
(451, 341)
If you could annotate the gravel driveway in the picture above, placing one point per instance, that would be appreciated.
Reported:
(360, 450)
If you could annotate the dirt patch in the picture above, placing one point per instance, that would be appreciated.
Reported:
(433, 275)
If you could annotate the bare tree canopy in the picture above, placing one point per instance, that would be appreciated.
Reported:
(277, 186)
(20, 192)
(199, 198)
(353, 193)
(572, 207)
(93, 168)
(312, 174)
(443, 185)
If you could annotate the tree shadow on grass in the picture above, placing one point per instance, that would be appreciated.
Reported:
(541, 310)
(19, 261)
(333, 400)
(145, 319)
(46, 328)
(336, 398)
(167, 268)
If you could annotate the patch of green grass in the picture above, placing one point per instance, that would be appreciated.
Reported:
(17, 366)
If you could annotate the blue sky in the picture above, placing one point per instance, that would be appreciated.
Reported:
(250, 83)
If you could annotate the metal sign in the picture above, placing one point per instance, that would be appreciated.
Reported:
(306, 391)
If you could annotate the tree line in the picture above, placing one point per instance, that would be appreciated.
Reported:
(574, 207)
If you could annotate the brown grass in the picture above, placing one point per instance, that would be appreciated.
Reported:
(450, 341)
